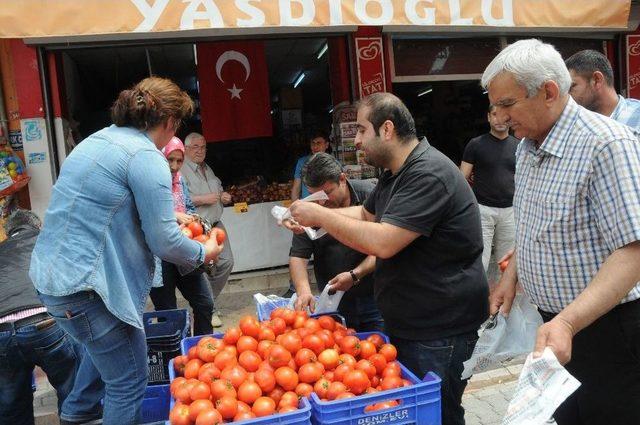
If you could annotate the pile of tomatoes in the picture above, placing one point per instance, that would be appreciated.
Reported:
(196, 231)
(263, 368)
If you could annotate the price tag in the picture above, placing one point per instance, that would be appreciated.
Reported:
(241, 207)
(287, 203)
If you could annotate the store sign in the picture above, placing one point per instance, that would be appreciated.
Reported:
(24, 18)
(371, 77)
(633, 66)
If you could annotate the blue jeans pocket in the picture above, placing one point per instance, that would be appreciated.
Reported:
(77, 326)
(56, 349)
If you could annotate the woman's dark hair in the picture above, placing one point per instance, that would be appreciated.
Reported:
(150, 103)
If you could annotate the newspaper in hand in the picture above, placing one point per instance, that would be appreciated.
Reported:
(543, 385)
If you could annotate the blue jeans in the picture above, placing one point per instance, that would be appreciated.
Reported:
(116, 352)
(59, 356)
(362, 314)
(444, 357)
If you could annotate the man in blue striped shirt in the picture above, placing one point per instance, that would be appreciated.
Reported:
(592, 87)
(577, 213)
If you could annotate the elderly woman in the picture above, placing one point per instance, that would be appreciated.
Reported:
(111, 213)
(193, 286)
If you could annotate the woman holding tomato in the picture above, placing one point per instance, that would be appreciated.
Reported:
(110, 217)
(193, 286)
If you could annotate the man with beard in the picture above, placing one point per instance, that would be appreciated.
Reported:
(422, 224)
(491, 158)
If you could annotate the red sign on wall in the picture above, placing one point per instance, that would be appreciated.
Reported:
(371, 77)
(633, 66)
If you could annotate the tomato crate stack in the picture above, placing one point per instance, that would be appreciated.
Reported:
(155, 405)
(164, 332)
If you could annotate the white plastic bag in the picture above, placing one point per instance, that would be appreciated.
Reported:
(328, 303)
(503, 338)
(543, 385)
(282, 213)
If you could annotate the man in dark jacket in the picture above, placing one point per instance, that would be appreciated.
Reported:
(30, 337)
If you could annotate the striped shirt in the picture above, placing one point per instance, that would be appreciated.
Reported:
(577, 199)
(627, 112)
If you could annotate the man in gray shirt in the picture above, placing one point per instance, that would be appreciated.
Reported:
(209, 198)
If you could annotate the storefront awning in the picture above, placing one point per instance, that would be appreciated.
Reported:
(54, 18)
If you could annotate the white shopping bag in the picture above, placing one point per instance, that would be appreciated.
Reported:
(282, 213)
(503, 338)
(328, 303)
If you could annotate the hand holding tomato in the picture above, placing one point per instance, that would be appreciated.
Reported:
(212, 250)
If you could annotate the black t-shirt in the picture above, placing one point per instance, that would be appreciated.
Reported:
(330, 257)
(436, 286)
(494, 164)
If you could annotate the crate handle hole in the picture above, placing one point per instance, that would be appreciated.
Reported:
(382, 405)
(156, 320)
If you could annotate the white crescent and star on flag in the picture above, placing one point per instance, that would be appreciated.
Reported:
(233, 55)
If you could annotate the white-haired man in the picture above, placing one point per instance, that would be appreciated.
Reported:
(577, 212)
(209, 198)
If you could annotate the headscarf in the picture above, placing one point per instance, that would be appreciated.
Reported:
(176, 184)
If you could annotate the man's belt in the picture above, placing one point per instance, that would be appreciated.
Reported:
(40, 321)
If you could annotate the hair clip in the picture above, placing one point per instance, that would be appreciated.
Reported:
(139, 99)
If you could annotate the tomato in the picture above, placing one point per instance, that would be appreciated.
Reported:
(202, 238)
(187, 232)
(196, 228)
(263, 406)
(372, 390)
(327, 338)
(329, 375)
(304, 356)
(347, 359)
(279, 356)
(243, 407)
(406, 383)
(265, 379)
(350, 345)
(208, 372)
(200, 391)
(209, 417)
(345, 395)
(225, 359)
(287, 378)
(249, 392)
(231, 349)
(392, 368)
(181, 391)
(391, 382)
(179, 415)
(175, 384)
(266, 333)
(276, 312)
(250, 360)
(375, 381)
(329, 359)
(221, 388)
(389, 352)
(192, 353)
(379, 362)
(289, 399)
(250, 326)
(276, 394)
(234, 374)
(227, 406)
(199, 406)
(381, 405)
(356, 381)
(327, 322)
(221, 235)
(246, 343)
(376, 339)
(321, 387)
(312, 324)
(341, 371)
(367, 349)
(335, 389)
(314, 343)
(366, 366)
(231, 335)
(263, 348)
(208, 351)
(309, 373)
(304, 390)
(299, 322)
(192, 368)
(278, 325)
(287, 409)
(289, 316)
(243, 416)
(179, 363)
(503, 265)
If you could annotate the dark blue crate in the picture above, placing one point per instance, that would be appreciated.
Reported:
(419, 404)
(164, 331)
(155, 405)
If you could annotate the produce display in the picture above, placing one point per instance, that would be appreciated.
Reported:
(12, 172)
(263, 368)
(258, 191)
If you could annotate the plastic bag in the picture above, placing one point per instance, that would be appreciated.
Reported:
(543, 385)
(282, 213)
(13, 176)
(328, 303)
(503, 338)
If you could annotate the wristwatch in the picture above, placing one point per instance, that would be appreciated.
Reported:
(355, 278)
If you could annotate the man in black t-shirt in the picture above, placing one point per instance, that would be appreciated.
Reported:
(491, 158)
(422, 224)
(334, 262)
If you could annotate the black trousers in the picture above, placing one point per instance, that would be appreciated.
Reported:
(605, 358)
(194, 287)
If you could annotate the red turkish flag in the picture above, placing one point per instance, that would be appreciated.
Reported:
(234, 90)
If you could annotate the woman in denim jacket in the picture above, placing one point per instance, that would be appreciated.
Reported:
(194, 286)
(110, 217)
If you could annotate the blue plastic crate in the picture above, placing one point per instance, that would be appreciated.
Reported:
(164, 331)
(420, 404)
(155, 405)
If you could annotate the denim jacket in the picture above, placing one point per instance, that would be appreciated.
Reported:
(111, 211)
